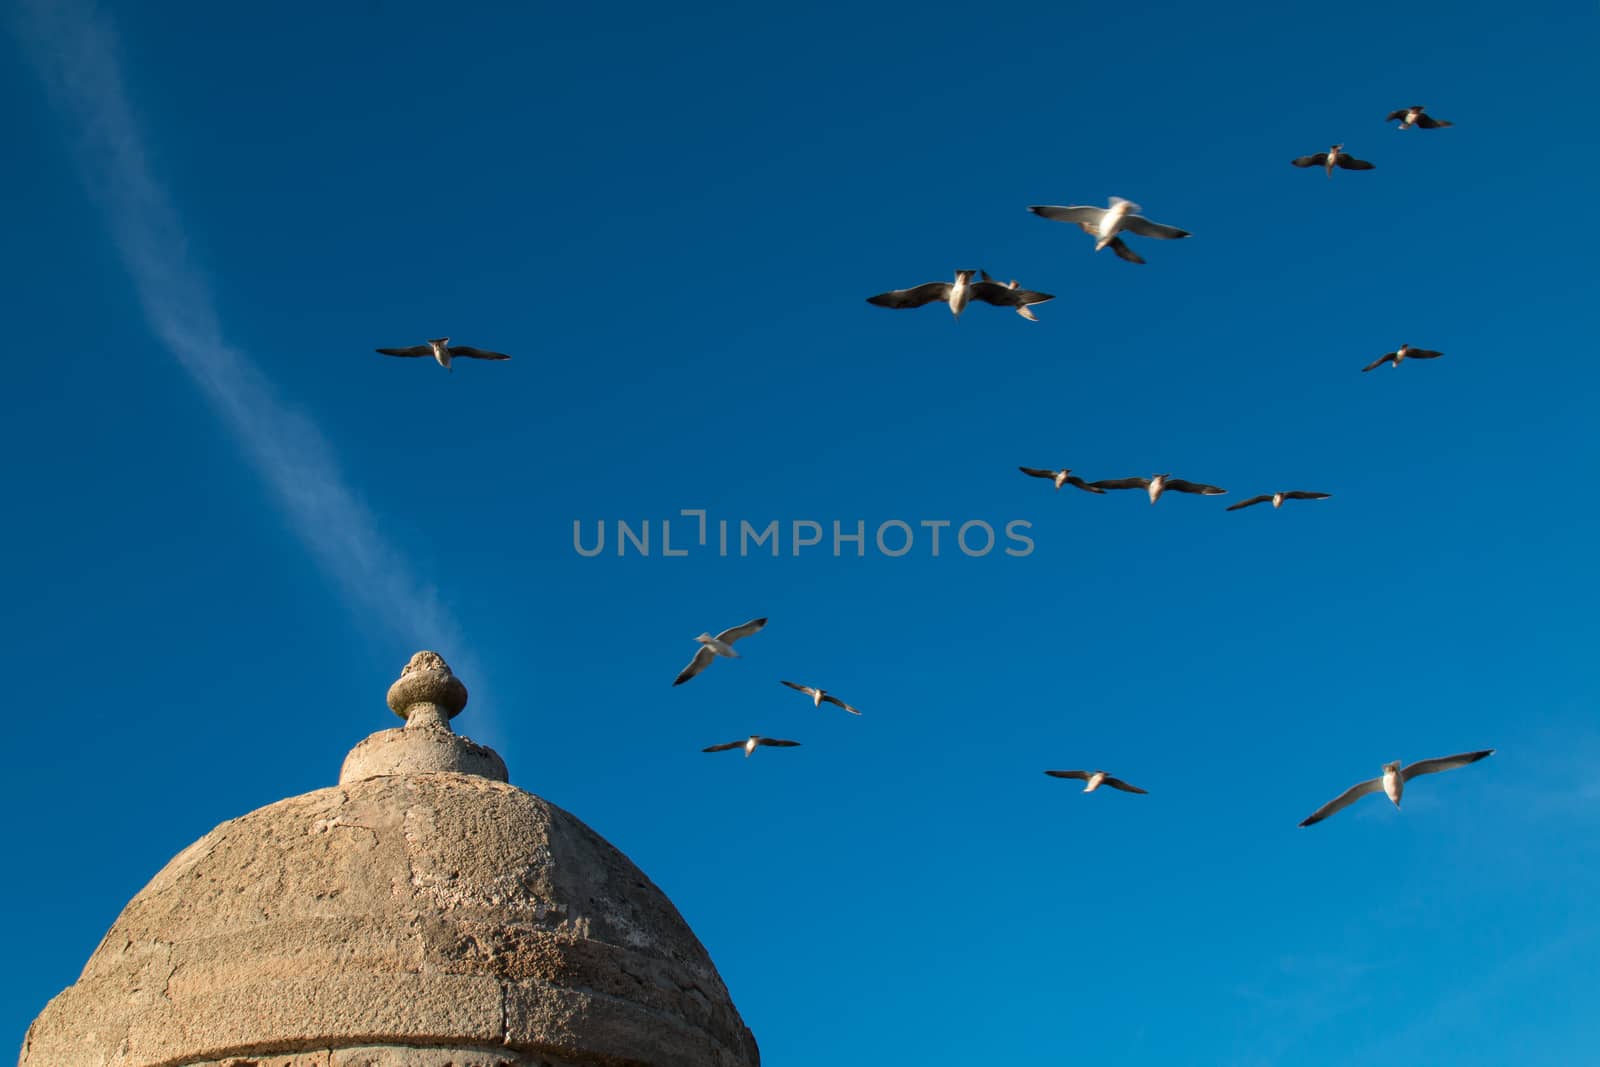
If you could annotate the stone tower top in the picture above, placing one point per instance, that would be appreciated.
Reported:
(427, 696)
(422, 913)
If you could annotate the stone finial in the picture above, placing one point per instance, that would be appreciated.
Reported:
(427, 696)
(427, 691)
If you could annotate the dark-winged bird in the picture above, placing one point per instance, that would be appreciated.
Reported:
(442, 350)
(1333, 157)
(1414, 116)
(1400, 355)
(1158, 484)
(1278, 499)
(819, 696)
(751, 744)
(958, 293)
(1060, 478)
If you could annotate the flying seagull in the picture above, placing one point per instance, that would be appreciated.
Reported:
(720, 645)
(1105, 223)
(1393, 782)
(1096, 779)
(1278, 499)
(1060, 477)
(1333, 157)
(957, 294)
(752, 744)
(1022, 309)
(819, 695)
(1400, 354)
(442, 350)
(1157, 485)
(1413, 116)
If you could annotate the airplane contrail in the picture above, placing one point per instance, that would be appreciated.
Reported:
(75, 51)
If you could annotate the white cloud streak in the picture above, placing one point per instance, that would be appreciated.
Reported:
(75, 50)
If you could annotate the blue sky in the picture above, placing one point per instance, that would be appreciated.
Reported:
(230, 523)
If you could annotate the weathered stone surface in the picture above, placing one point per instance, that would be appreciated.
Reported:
(422, 745)
(409, 920)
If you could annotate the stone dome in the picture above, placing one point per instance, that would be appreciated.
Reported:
(422, 913)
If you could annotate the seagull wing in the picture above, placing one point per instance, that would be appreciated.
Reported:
(1344, 800)
(774, 742)
(1387, 357)
(1122, 483)
(1083, 216)
(1073, 479)
(1182, 486)
(1005, 296)
(733, 633)
(1352, 163)
(830, 699)
(1082, 776)
(914, 297)
(1252, 500)
(724, 748)
(1300, 494)
(476, 353)
(1318, 160)
(1443, 763)
(702, 659)
(414, 350)
(1038, 472)
(1120, 247)
(1145, 228)
(1427, 122)
(806, 689)
(1422, 353)
(991, 292)
(1118, 783)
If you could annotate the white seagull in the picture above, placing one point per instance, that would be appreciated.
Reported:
(751, 744)
(959, 293)
(819, 695)
(1158, 484)
(1393, 782)
(1278, 499)
(1105, 223)
(1399, 355)
(720, 645)
(1060, 477)
(442, 350)
(1096, 779)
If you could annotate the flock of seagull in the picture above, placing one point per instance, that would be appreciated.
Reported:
(1157, 484)
(1106, 225)
(722, 645)
(1392, 781)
